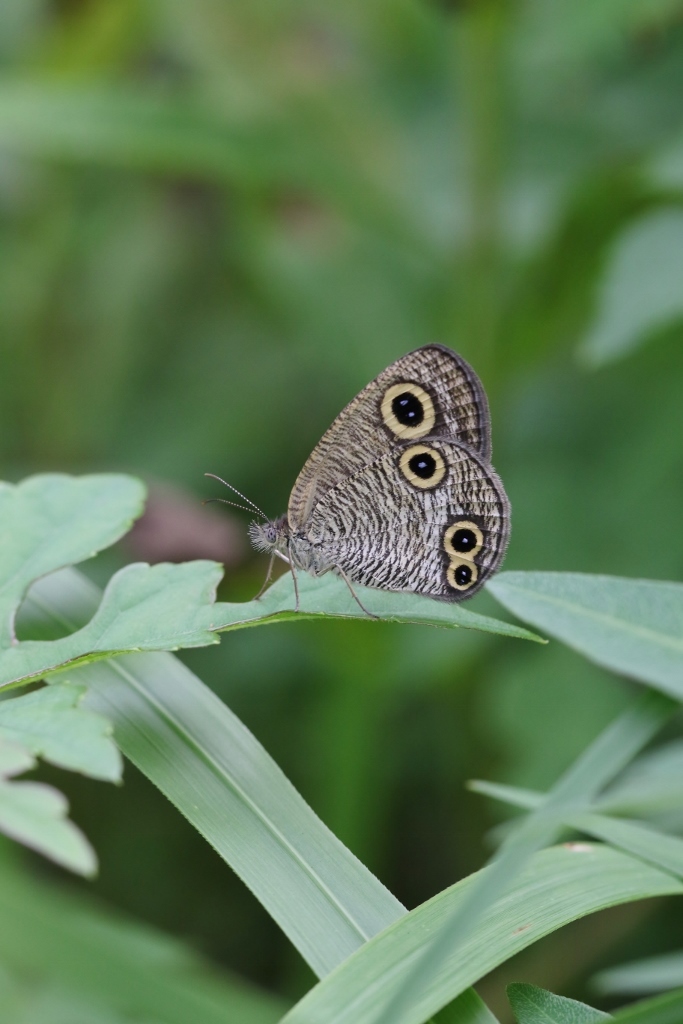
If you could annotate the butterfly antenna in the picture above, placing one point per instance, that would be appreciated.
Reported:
(224, 501)
(239, 493)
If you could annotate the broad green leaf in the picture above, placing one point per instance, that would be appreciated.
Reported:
(35, 814)
(558, 885)
(71, 944)
(533, 1005)
(667, 1009)
(51, 724)
(653, 974)
(330, 596)
(642, 290)
(634, 627)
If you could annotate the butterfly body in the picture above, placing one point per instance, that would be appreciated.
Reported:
(399, 494)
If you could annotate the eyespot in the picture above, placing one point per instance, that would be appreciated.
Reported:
(462, 574)
(463, 538)
(422, 466)
(407, 410)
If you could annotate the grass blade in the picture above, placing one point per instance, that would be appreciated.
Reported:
(557, 886)
(633, 627)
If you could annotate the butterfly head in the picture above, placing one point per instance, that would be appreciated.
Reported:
(272, 535)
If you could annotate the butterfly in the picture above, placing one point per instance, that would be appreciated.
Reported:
(399, 494)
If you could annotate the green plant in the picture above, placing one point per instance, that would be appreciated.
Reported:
(377, 963)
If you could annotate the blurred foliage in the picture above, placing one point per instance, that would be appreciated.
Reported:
(217, 222)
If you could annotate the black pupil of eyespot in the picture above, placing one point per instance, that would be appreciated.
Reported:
(463, 575)
(464, 540)
(408, 410)
(423, 465)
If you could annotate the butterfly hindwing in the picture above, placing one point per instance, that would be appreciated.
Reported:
(428, 516)
(429, 392)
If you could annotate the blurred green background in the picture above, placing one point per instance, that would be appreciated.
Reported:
(219, 220)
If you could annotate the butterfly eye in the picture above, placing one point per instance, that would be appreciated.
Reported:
(463, 538)
(461, 574)
(422, 466)
(407, 410)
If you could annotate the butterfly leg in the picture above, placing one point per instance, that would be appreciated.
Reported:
(294, 579)
(355, 596)
(268, 575)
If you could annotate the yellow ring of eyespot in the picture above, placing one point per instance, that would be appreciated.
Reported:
(455, 564)
(399, 429)
(428, 482)
(463, 524)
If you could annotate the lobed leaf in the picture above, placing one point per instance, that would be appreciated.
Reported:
(50, 723)
(55, 520)
(35, 814)
(144, 608)
(52, 520)
(533, 1005)
(633, 627)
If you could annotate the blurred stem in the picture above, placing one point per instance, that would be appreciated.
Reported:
(350, 739)
(480, 36)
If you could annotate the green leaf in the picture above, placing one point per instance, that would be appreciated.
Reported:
(51, 724)
(211, 767)
(653, 974)
(468, 1008)
(652, 785)
(50, 521)
(667, 1009)
(596, 766)
(330, 596)
(69, 943)
(634, 627)
(216, 773)
(641, 841)
(642, 290)
(35, 814)
(558, 885)
(533, 1005)
(144, 608)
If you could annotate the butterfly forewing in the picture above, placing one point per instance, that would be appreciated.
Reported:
(429, 392)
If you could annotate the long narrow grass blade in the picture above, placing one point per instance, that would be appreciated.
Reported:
(557, 886)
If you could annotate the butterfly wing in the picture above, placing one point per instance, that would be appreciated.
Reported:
(429, 392)
(430, 517)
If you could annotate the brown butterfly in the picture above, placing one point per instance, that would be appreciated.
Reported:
(400, 494)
